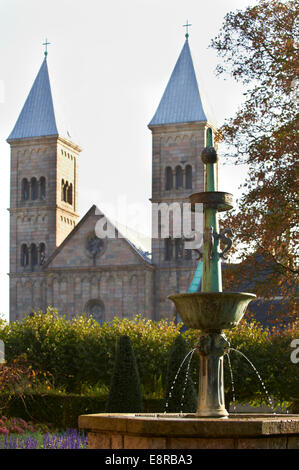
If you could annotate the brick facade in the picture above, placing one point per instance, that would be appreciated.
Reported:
(38, 216)
(119, 278)
(49, 260)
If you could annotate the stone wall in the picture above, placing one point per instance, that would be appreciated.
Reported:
(124, 431)
(123, 292)
(118, 278)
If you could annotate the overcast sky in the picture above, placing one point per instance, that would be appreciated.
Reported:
(109, 63)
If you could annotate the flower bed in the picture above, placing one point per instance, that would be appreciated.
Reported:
(19, 426)
(16, 433)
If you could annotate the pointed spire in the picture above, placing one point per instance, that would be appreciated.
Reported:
(181, 101)
(37, 117)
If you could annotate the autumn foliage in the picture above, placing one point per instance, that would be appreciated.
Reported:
(259, 48)
(18, 376)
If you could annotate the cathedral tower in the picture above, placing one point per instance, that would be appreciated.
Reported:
(180, 128)
(44, 199)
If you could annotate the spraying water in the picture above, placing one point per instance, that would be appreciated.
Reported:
(186, 380)
(232, 381)
(176, 376)
(260, 378)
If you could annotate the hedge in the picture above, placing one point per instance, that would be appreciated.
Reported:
(61, 410)
(80, 352)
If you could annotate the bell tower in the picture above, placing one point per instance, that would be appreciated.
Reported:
(44, 193)
(180, 128)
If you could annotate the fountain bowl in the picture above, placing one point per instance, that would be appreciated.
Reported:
(212, 311)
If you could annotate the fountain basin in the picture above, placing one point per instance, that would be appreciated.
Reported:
(176, 431)
(212, 311)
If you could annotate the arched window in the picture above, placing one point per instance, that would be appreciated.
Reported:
(34, 189)
(178, 177)
(65, 191)
(42, 188)
(25, 189)
(42, 253)
(64, 188)
(24, 255)
(188, 175)
(168, 249)
(33, 255)
(178, 248)
(168, 178)
(70, 194)
(96, 310)
(209, 137)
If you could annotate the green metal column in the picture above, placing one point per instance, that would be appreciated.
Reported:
(211, 277)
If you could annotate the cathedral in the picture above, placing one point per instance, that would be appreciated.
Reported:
(57, 259)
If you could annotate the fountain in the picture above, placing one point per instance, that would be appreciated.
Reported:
(211, 311)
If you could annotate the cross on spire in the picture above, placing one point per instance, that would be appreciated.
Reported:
(46, 43)
(187, 30)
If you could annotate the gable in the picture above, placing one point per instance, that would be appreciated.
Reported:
(83, 249)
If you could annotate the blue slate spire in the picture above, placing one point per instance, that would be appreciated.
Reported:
(37, 117)
(181, 101)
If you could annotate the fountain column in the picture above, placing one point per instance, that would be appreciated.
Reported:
(211, 275)
(211, 346)
(211, 310)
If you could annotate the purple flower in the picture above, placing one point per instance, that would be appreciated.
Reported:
(70, 439)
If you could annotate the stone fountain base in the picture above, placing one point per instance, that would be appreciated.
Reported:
(178, 431)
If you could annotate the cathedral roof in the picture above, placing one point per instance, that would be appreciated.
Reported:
(95, 212)
(37, 117)
(181, 101)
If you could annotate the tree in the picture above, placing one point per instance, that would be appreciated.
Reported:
(180, 392)
(259, 48)
(125, 394)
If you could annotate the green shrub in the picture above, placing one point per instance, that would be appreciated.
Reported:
(60, 410)
(180, 394)
(125, 394)
(74, 351)
(80, 354)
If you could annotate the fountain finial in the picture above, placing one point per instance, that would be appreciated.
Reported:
(209, 155)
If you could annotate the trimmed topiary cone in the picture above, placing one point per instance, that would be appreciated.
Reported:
(177, 355)
(125, 393)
